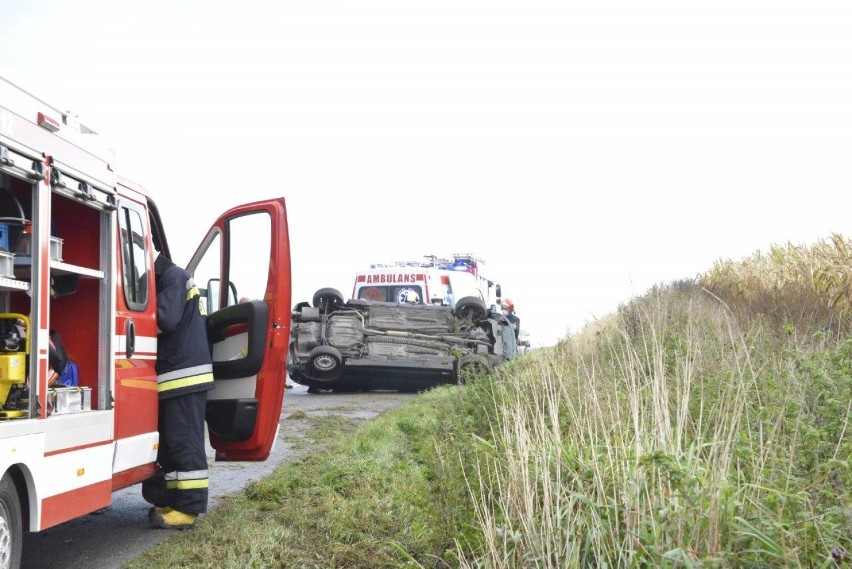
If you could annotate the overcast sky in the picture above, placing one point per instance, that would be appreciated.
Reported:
(586, 150)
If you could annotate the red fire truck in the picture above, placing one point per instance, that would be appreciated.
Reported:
(77, 250)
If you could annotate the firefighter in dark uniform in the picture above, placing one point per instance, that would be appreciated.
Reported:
(184, 375)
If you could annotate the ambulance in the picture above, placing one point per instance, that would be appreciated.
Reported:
(434, 280)
(78, 322)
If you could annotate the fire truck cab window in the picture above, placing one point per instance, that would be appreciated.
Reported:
(207, 274)
(248, 250)
(134, 258)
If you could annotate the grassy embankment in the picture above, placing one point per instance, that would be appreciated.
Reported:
(707, 423)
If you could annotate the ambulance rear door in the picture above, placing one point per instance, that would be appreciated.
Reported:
(242, 270)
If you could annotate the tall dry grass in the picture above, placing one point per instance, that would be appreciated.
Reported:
(791, 284)
(671, 439)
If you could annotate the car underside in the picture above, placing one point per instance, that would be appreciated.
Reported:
(364, 345)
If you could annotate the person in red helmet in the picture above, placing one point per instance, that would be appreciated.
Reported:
(509, 311)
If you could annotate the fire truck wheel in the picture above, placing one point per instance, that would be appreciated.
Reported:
(327, 299)
(11, 535)
(325, 363)
(470, 307)
(470, 366)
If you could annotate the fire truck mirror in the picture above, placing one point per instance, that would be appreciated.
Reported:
(212, 295)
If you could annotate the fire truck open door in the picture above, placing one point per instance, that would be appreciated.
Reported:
(243, 272)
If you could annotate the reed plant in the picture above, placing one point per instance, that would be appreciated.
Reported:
(791, 284)
(684, 436)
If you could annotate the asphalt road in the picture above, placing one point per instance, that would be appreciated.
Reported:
(119, 534)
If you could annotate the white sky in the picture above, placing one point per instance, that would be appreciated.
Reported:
(587, 150)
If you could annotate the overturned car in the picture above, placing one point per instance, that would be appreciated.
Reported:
(364, 345)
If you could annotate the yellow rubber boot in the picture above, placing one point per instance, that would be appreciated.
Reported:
(170, 518)
(158, 510)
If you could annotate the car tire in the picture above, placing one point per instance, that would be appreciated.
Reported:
(471, 308)
(470, 366)
(325, 363)
(328, 299)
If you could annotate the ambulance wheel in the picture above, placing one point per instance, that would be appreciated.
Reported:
(472, 308)
(327, 299)
(472, 365)
(11, 534)
(325, 363)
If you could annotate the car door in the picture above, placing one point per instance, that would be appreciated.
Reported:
(242, 269)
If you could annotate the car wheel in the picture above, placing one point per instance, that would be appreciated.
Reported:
(325, 363)
(470, 366)
(471, 308)
(11, 533)
(327, 299)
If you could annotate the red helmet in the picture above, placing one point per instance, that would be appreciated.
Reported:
(508, 304)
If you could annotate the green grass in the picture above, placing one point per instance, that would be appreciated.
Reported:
(674, 434)
(367, 500)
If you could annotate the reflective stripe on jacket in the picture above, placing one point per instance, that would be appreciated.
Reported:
(185, 378)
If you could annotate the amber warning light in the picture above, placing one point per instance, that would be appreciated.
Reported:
(47, 122)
